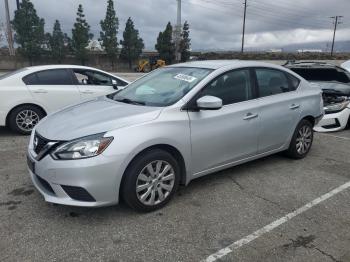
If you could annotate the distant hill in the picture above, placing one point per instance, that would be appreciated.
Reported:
(340, 46)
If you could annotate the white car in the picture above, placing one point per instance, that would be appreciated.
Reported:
(335, 83)
(346, 65)
(29, 94)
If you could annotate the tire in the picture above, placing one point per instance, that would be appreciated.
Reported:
(348, 124)
(28, 115)
(302, 139)
(150, 185)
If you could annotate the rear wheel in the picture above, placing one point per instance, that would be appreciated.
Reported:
(24, 118)
(151, 180)
(301, 141)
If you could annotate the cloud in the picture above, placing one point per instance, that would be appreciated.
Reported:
(215, 24)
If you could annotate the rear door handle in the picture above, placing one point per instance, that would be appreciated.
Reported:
(88, 92)
(250, 116)
(294, 106)
(40, 91)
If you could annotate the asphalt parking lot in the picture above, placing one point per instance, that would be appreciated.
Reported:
(210, 214)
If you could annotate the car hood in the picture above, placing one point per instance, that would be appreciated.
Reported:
(93, 117)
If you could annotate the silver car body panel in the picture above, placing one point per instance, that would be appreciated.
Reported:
(208, 141)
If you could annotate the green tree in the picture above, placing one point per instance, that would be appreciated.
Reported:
(165, 44)
(132, 44)
(29, 30)
(81, 36)
(56, 43)
(185, 43)
(108, 35)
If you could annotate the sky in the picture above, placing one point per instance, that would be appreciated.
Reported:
(214, 24)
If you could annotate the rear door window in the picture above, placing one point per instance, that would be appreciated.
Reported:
(271, 82)
(294, 82)
(54, 77)
(49, 77)
(31, 79)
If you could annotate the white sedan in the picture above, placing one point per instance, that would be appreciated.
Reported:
(29, 94)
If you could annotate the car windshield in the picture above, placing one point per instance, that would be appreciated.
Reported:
(12, 73)
(162, 87)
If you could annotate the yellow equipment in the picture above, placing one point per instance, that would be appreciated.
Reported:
(145, 65)
(142, 66)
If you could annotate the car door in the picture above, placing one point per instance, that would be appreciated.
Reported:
(279, 108)
(93, 83)
(52, 88)
(220, 137)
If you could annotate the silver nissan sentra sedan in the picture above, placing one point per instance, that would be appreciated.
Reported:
(168, 128)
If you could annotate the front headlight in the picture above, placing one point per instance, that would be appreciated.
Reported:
(84, 147)
(333, 108)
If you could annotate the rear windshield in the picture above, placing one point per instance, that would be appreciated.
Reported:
(323, 74)
(12, 73)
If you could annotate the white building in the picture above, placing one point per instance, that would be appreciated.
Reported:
(95, 45)
(310, 51)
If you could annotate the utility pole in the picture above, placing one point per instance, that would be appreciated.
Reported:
(336, 23)
(178, 32)
(17, 2)
(244, 18)
(9, 29)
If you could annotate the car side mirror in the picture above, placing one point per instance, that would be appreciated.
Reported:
(209, 103)
(84, 81)
(115, 84)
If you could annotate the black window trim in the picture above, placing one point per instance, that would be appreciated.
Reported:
(287, 75)
(192, 106)
(51, 69)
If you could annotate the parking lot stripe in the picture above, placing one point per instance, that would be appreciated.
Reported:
(341, 137)
(229, 249)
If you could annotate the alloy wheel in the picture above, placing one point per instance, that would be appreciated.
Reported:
(304, 139)
(155, 182)
(27, 119)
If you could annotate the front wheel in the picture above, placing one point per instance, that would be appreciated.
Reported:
(24, 118)
(151, 180)
(301, 141)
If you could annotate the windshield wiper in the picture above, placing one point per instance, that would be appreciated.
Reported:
(129, 101)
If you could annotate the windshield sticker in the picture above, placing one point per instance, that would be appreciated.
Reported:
(186, 78)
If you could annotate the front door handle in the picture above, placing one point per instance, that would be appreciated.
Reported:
(250, 116)
(294, 106)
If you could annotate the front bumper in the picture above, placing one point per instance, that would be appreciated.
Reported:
(91, 182)
(333, 122)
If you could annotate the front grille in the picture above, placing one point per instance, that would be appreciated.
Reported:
(78, 193)
(39, 143)
(45, 184)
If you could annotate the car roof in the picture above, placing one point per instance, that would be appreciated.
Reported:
(44, 67)
(217, 64)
